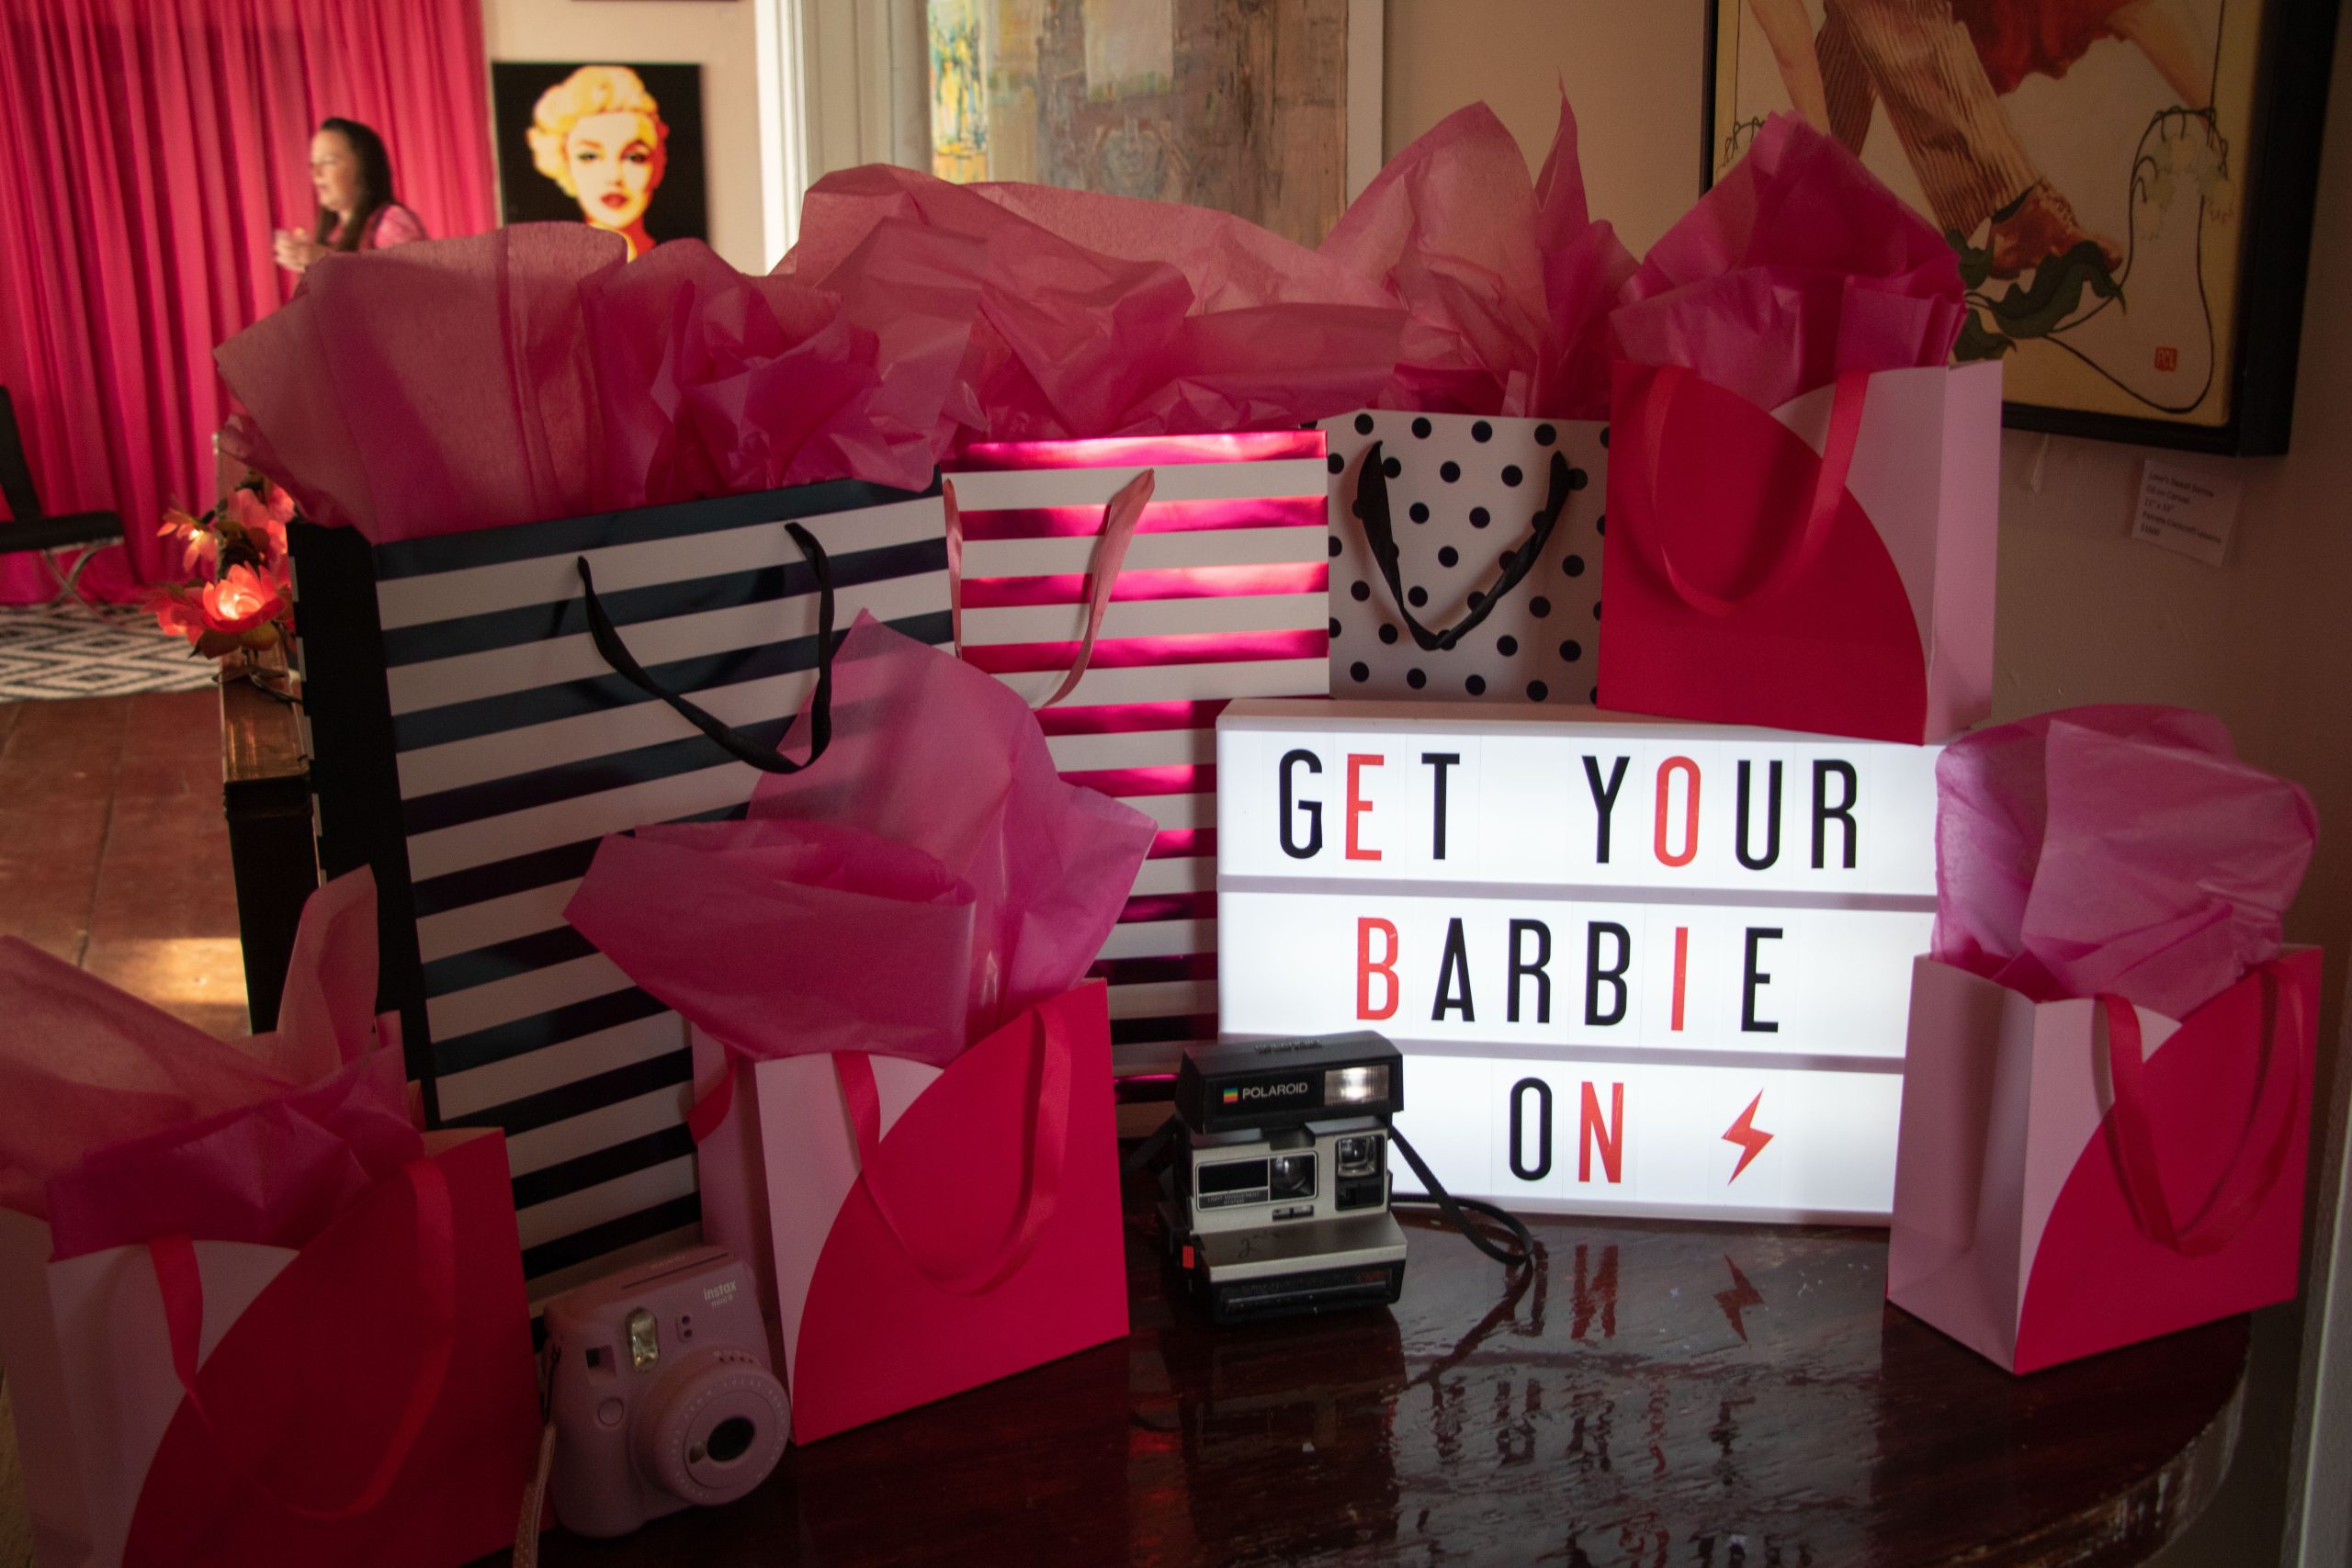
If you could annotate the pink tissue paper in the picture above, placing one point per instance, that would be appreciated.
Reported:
(124, 1123)
(2115, 850)
(1103, 315)
(533, 373)
(1506, 284)
(925, 882)
(1797, 266)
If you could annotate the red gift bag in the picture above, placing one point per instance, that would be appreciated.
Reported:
(2073, 1175)
(919, 1231)
(368, 1399)
(1826, 566)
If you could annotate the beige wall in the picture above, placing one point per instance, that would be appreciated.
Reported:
(2085, 613)
(715, 34)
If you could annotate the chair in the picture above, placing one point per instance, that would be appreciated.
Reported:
(33, 529)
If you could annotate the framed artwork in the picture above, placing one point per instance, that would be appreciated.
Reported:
(1268, 111)
(2127, 185)
(616, 146)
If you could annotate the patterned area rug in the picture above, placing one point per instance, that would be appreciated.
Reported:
(70, 652)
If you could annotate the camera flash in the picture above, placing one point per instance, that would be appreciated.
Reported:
(1355, 1086)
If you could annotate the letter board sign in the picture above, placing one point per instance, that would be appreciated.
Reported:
(1641, 967)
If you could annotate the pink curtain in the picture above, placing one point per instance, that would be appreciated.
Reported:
(153, 146)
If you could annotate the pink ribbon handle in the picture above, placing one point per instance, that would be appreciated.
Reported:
(1042, 1174)
(182, 1284)
(1656, 413)
(2131, 1132)
(1121, 515)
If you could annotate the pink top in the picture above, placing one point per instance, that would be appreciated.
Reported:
(391, 224)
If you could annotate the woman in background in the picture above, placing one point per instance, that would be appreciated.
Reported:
(598, 133)
(353, 174)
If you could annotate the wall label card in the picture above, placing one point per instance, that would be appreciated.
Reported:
(2187, 510)
(1640, 966)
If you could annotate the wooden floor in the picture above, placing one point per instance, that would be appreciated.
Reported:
(113, 850)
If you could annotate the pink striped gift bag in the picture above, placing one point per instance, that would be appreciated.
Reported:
(1216, 593)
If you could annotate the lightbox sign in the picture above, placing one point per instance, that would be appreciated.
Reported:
(1641, 967)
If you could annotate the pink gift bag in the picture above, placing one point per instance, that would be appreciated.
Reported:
(1220, 596)
(926, 1230)
(2073, 1175)
(366, 1398)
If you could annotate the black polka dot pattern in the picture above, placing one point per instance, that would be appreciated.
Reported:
(1473, 488)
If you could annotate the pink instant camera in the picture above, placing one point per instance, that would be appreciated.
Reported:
(661, 1392)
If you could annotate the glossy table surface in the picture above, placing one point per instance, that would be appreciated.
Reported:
(1728, 1396)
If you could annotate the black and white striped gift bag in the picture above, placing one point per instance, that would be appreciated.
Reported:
(470, 742)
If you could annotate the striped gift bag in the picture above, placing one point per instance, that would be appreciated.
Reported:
(1221, 596)
(471, 740)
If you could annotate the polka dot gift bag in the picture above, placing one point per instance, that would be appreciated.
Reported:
(1465, 556)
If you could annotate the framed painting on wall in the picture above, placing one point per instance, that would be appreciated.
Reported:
(1268, 111)
(2127, 185)
(620, 147)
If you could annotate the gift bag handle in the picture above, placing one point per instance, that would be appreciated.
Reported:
(182, 1284)
(767, 758)
(1120, 516)
(1654, 410)
(1042, 1189)
(1380, 533)
(2133, 1134)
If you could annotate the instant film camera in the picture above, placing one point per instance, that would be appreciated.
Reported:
(658, 1387)
(1277, 1201)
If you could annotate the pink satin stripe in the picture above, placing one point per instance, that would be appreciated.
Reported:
(1169, 582)
(1154, 971)
(1130, 719)
(1181, 843)
(1165, 517)
(1148, 652)
(1159, 451)
(1169, 907)
(1125, 782)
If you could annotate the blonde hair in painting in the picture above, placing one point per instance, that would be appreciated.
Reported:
(591, 90)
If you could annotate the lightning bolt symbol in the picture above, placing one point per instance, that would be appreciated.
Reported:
(1741, 1294)
(1743, 1132)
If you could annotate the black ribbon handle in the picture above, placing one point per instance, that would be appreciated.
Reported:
(1380, 532)
(820, 712)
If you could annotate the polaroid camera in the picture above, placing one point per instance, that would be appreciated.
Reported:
(1278, 1202)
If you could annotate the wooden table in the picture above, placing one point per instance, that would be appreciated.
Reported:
(1725, 1396)
(266, 795)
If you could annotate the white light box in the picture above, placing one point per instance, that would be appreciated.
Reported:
(1637, 966)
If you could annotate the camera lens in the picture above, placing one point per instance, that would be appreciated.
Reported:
(712, 1426)
(1293, 1176)
(729, 1438)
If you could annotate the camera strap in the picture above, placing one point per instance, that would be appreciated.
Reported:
(1458, 1211)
